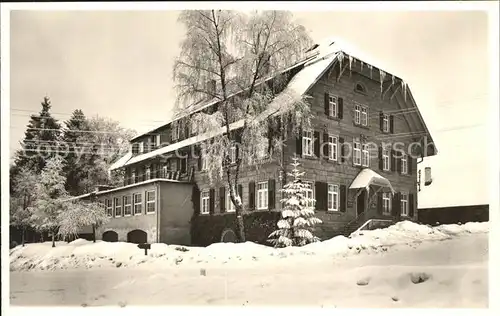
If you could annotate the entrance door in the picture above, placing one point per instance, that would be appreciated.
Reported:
(360, 202)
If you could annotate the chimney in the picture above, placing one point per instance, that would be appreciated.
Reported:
(211, 87)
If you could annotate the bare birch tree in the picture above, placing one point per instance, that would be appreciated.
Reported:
(227, 57)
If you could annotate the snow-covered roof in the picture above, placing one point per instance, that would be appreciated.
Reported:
(367, 177)
(120, 162)
(317, 61)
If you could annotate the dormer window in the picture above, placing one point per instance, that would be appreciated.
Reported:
(141, 147)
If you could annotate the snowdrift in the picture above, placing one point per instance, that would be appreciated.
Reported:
(82, 254)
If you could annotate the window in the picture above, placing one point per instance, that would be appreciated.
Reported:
(229, 204)
(127, 205)
(404, 204)
(357, 153)
(360, 88)
(262, 196)
(332, 106)
(332, 147)
(165, 169)
(183, 166)
(175, 128)
(150, 201)
(132, 177)
(263, 149)
(404, 164)
(204, 162)
(385, 159)
(109, 207)
(309, 194)
(386, 203)
(364, 116)
(148, 173)
(361, 115)
(366, 156)
(205, 202)
(118, 207)
(232, 154)
(385, 123)
(141, 147)
(307, 143)
(137, 204)
(333, 197)
(158, 140)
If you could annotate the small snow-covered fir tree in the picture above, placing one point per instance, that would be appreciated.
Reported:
(297, 216)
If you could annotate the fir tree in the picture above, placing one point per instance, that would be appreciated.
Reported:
(40, 140)
(51, 197)
(297, 216)
(72, 137)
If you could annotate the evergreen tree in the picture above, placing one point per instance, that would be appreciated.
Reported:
(297, 216)
(22, 200)
(72, 137)
(51, 197)
(40, 140)
(80, 214)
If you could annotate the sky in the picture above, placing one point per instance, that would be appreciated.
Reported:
(119, 65)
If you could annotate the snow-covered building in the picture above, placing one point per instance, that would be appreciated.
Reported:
(356, 102)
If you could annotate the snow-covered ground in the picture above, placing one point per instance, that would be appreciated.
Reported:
(405, 265)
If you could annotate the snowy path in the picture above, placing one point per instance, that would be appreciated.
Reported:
(457, 272)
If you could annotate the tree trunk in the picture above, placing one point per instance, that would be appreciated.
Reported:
(240, 224)
(53, 240)
(23, 236)
(93, 232)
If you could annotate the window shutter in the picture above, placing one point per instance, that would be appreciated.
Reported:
(393, 160)
(269, 135)
(380, 203)
(222, 199)
(298, 144)
(396, 205)
(212, 201)
(321, 189)
(195, 198)
(340, 104)
(316, 144)
(198, 150)
(410, 164)
(327, 104)
(391, 123)
(240, 192)
(271, 194)
(398, 164)
(343, 198)
(380, 159)
(251, 195)
(411, 205)
(342, 150)
(381, 121)
(326, 147)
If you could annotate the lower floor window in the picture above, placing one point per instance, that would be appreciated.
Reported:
(386, 203)
(127, 205)
(118, 207)
(205, 201)
(109, 208)
(262, 196)
(137, 204)
(404, 204)
(229, 204)
(150, 201)
(333, 197)
(309, 194)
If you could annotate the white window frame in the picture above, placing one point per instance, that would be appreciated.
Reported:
(386, 160)
(141, 147)
(333, 145)
(262, 195)
(132, 176)
(109, 207)
(357, 153)
(229, 204)
(365, 157)
(118, 207)
(364, 115)
(332, 106)
(137, 204)
(165, 170)
(404, 204)
(310, 193)
(357, 114)
(204, 162)
(158, 140)
(404, 164)
(205, 202)
(386, 203)
(127, 205)
(148, 202)
(148, 173)
(333, 198)
(385, 123)
(307, 143)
